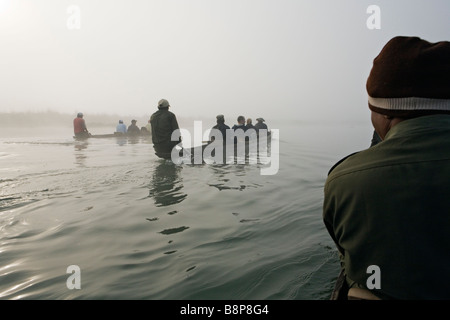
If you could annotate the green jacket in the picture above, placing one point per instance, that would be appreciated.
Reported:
(389, 206)
(163, 123)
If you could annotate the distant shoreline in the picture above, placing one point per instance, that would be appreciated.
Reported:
(53, 118)
(58, 119)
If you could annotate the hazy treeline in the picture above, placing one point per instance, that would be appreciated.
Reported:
(107, 121)
(53, 118)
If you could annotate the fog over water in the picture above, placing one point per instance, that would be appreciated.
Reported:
(140, 227)
(284, 59)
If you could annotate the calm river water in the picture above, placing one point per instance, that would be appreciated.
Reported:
(139, 227)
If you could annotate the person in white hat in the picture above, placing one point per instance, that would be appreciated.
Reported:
(163, 124)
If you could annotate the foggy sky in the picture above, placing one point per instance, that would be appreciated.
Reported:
(284, 59)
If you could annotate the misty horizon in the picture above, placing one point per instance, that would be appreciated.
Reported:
(285, 60)
(51, 118)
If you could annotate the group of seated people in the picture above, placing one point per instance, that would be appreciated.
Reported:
(241, 124)
(132, 129)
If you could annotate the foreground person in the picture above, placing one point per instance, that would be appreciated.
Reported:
(388, 207)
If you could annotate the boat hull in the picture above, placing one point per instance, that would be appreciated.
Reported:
(111, 135)
(234, 152)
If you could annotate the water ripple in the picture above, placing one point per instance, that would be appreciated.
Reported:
(173, 230)
(19, 287)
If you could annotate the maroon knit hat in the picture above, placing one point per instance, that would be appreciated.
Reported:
(410, 77)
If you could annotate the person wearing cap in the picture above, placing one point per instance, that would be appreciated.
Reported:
(133, 129)
(163, 124)
(260, 124)
(79, 127)
(121, 127)
(388, 206)
(221, 126)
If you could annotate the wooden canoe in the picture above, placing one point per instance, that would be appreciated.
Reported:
(199, 150)
(112, 135)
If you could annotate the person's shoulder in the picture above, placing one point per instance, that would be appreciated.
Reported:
(341, 161)
(221, 126)
(361, 163)
(155, 114)
(171, 113)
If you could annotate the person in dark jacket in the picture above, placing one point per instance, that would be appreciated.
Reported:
(249, 124)
(133, 129)
(387, 207)
(221, 126)
(240, 124)
(260, 124)
(163, 124)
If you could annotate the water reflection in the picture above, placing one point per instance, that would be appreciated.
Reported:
(80, 156)
(166, 185)
(229, 177)
(121, 141)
